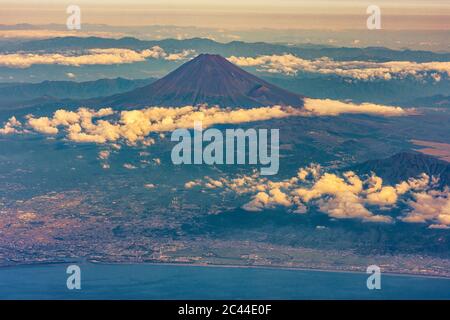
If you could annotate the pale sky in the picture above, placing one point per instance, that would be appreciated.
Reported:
(317, 14)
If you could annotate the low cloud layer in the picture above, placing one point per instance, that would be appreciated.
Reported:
(286, 64)
(90, 57)
(361, 70)
(340, 196)
(87, 125)
(108, 126)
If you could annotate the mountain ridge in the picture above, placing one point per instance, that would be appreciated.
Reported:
(405, 165)
(21, 95)
(380, 54)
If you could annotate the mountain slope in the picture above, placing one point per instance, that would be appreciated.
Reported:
(436, 101)
(69, 89)
(405, 165)
(209, 79)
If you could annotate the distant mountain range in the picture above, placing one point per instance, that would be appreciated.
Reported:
(404, 165)
(407, 92)
(207, 79)
(402, 92)
(13, 95)
(231, 48)
(436, 101)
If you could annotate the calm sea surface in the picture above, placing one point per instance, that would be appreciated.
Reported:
(100, 281)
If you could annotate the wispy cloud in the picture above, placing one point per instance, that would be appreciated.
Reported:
(44, 33)
(361, 70)
(328, 107)
(90, 57)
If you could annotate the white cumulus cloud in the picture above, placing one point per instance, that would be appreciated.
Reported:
(106, 56)
(328, 107)
(132, 126)
(340, 196)
(361, 70)
(11, 126)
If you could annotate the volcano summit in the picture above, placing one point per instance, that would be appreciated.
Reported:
(209, 79)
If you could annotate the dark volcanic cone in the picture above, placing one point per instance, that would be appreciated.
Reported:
(209, 79)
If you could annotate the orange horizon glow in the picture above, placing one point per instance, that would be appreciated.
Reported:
(233, 14)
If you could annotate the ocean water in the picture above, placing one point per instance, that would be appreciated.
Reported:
(138, 281)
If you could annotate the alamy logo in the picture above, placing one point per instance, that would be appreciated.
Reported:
(74, 20)
(374, 20)
(74, 280)
(374, 280)
(236, 146)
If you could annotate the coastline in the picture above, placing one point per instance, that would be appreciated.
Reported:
(273, 268)
(198, 265)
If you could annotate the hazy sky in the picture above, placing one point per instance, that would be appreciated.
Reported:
(317, 14)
